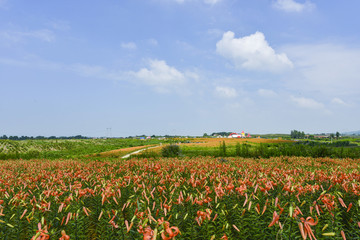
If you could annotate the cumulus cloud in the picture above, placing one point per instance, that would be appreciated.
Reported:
(293, 6)
(252, 52)
(157, 74)
(308, 103)
(129, 45)
(266, 93)
(161, 76)
(225, 92)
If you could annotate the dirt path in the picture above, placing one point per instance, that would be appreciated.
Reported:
(138, 151)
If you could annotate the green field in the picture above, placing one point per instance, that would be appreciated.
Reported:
(210, 191)
(65, 149)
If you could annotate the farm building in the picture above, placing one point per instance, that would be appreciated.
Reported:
(237, 135)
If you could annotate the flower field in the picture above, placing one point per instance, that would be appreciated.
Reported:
(189, 198)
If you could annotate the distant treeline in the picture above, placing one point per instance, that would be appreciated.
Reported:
(221, 133)
(41, 137)
(297, 134)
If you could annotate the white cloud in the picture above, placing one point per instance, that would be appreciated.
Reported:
(17, 36)
(152, 42)
(211, 2)
(158, 74)
(129, 45)
(308, 103)
(338, 101)
(161, 76)
(266, 93)
(59, 25)
(293, 6)
(252, 52)
(225, 92)
(192, 75)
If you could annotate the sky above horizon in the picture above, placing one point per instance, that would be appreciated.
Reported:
(178, 67)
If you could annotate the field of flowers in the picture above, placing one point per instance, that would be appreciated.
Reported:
(189, 198)
(68, 148)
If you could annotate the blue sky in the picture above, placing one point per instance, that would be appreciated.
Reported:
(183, 67)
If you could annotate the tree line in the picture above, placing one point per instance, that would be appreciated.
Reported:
(4, 137)
(297, 134)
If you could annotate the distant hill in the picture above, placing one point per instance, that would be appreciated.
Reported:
(351, 133)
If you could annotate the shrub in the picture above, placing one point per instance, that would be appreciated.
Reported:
(171, 151)
(222, 149)
(237, 149)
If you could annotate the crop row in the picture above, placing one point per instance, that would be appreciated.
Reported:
(190, 198)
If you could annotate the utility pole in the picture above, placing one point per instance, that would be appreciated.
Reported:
(108, 132)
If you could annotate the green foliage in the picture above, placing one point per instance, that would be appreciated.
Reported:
(148, 153)
(129, 191)
(237, 149)
(297, 134)
(171, 151)
(337, 149)
(222, 149)
(74, 148)
(337, 135)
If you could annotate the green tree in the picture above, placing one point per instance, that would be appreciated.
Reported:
(222, 149)
(332, 136)
(297, 134)
(337, 135)
(237, 149)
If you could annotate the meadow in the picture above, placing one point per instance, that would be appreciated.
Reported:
(66, 149)
(101, 196)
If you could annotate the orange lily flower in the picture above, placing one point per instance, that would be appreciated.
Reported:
(147, 232)
(275, 219)
(305, 227)
(64, 236)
